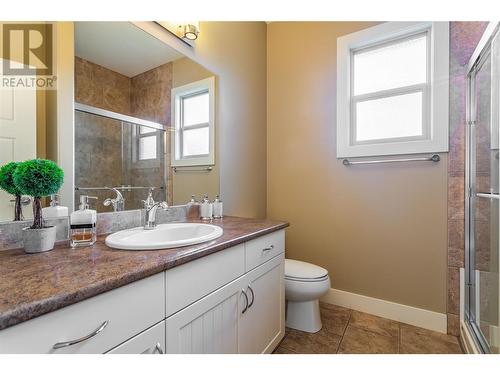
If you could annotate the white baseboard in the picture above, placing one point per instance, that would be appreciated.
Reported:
(402, 313)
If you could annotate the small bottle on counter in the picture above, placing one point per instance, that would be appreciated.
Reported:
(206, 208)
(217, 207)
(54, 210)
(83, 222)
(193, 208)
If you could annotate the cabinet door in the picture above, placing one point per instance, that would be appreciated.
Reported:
(210, 325)
(151, 341)
(262, 326)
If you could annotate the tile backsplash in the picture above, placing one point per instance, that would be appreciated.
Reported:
(108, 222)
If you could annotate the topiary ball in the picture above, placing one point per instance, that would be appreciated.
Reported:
(38, 177)
(6, 178)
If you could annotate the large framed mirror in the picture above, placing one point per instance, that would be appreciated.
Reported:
(130, 114)
(144, 119)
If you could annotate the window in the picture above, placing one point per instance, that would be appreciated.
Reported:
(147, 143)
(392, 90)
(193, 114)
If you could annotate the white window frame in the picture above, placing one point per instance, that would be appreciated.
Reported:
(178, 93)
(434, 91)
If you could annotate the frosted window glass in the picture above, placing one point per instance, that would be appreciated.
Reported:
(147, 148)
(195, 142)
(195, 110)
(399, 64)
(392, 117)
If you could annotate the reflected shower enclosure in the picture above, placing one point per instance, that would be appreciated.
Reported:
(121, 152)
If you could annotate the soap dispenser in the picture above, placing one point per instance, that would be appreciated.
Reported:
(217, 207)
(83, 224)
(206, 209)
(54, 210)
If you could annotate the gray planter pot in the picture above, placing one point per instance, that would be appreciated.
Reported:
(39, 240)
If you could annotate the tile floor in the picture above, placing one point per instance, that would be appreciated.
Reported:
(348, 331)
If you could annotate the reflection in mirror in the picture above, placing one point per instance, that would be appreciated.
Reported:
(118, 161)
(125, 122)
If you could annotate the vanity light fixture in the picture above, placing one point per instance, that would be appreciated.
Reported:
(188, 31)
(185, 31)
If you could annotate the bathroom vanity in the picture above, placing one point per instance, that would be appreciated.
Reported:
(224, 296)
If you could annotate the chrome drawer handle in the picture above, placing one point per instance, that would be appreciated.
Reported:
(266, 249)
(60, 345)
(253, 296)
(246, 304)
(158, 349)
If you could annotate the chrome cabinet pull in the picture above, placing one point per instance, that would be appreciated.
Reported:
(253, 296)
(60, 345)
(266, 249)
(246, 304)
(158, 349)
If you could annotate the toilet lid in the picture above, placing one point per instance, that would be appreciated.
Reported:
(302, 270)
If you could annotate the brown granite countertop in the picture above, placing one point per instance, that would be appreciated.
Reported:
(32, 285)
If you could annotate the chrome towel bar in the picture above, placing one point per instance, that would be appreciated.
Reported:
(488, 195)
(435, 158)
(192, 169)
(123, 187)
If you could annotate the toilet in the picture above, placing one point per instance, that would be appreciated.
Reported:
(305, 283)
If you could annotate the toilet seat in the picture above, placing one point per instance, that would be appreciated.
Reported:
(306, 280)
(305, 272)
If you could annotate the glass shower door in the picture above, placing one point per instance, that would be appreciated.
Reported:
(483, 255)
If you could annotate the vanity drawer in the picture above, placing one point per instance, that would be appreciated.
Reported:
(263, 248)
(190, 282)
(128, 310)
(151, 341)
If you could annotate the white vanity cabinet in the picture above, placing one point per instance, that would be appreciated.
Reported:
(209, 325)
(94, 325)
(262, 326)
(231, 301)
(151, 341)
(245, 316)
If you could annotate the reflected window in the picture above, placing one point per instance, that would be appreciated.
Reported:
(193, 114)
(147, 142)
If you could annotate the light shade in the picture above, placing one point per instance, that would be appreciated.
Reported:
(189, 31)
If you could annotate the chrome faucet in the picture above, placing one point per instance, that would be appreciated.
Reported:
(151, 207)
(118, 202)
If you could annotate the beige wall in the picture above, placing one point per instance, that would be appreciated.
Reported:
(236, 53)
(187, 183)
(379, 230)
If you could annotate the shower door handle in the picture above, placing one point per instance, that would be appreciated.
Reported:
(488, 195)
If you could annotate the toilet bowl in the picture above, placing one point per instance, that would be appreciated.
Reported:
(305, 283)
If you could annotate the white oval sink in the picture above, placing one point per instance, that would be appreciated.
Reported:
(164, 236)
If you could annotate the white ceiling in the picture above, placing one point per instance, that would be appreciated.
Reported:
(121, 46)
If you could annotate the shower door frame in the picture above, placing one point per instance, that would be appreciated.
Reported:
(126, 119)
(482, 51)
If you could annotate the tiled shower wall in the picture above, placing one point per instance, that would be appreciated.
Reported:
(464, 37)
(146, 96)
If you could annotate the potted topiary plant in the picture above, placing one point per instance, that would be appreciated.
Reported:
(7, 184)
(38, 178)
